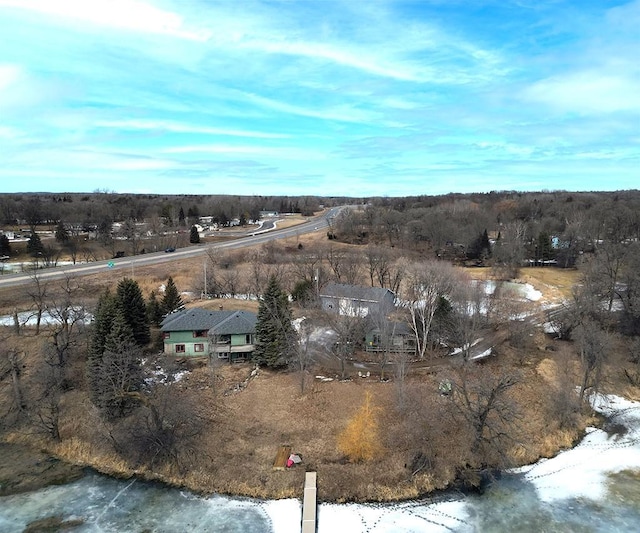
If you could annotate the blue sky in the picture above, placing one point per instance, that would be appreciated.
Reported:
(352, 97)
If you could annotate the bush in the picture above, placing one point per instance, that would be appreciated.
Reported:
(360, 441)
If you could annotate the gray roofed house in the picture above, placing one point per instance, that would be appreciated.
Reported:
(356, 301)
(394, 337)
(200, 332)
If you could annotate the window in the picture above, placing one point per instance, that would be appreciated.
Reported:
(198, 347)
(200, 333)
(166, 335)
(180, 348)
(247, 338)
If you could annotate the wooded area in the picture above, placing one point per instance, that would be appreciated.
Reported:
(483, 387)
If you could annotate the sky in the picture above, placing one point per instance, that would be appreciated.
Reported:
(321, 97)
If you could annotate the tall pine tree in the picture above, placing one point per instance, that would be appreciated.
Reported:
(134, 309)
(194, 236)
(154, 311)
(120, 372)
(62, 235)
(113, 364)
(103, 318)
(171, 299)
(34, 245)
(5, 245)
(275, 336)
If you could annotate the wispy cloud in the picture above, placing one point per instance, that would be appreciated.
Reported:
(178, 127)
(328, 97)
(132, 15)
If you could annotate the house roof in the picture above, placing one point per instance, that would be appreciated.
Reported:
(238, 322)
(355, 292)
(223, 322)
(395, 328)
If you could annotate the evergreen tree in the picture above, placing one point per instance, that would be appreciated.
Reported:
(103, 319)
(34, 245)
(154, 311)
(171, 299)
(113, 366)
(181, 219)
(480, 248)
(544, 249)
(275, 336)
(194, 236)
(62, 235)
(5, 246)
(134, 310)
(120, 373)
(193, 212)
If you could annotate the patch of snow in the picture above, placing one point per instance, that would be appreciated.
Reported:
(280, 513)
(158, 375)
(482, 355)
(530, 293)
(402, 518)
(297, 323)
(456, 351)
(30, 318)
(582, 471)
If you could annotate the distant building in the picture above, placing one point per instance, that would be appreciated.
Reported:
(356, 301)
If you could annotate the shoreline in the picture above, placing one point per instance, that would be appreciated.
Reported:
(31, 470)
(24, 469)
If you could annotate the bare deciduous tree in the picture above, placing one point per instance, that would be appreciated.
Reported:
(302, 356)
(509, 251)
(349, 330)
(489, 414)
(426, 283)
(593, 344)
(165, 429)
(37, 292)
(469, 317)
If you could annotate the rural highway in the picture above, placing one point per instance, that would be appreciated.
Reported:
(318, 223)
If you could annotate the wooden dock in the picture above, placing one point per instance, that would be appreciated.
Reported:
(309, 503)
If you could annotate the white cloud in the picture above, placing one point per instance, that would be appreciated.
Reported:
(263, 151)
(340, 113)
(132, 15)
(178, 127)
(588, 92)
(9, 75)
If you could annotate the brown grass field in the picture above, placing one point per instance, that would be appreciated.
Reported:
(235, 452)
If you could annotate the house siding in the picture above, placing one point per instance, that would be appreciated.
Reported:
(199, 333)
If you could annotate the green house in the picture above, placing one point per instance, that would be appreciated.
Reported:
(203, 333)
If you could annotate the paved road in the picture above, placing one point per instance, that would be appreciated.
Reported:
(319, 223)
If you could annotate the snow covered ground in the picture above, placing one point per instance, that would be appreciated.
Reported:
(29, 318)
(582, 471)
(523, 290)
